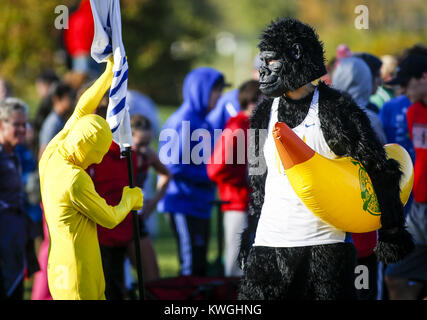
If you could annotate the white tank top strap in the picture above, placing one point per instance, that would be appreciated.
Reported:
(275, 105)
(313, 111)
(314, 107)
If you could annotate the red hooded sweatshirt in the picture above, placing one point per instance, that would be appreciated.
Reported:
(231, 178)
(79, 35)
(109, 178)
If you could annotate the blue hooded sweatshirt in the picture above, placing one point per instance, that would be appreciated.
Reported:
(393, 118)
(227, 106)
(190, 190)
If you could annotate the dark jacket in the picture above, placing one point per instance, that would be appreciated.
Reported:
(17, 231)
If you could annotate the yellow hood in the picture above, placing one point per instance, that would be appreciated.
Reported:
(87, 141)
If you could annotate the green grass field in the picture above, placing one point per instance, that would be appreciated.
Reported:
(166, 248)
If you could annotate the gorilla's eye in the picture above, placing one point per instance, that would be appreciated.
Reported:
(268, 57)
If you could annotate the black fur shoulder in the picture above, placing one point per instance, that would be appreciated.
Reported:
(258, 121)
(343, 123)
(293, 112)
(261, 114)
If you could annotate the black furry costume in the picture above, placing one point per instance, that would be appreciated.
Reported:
(315, 272)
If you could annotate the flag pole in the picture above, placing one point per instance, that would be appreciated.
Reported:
(135, 222)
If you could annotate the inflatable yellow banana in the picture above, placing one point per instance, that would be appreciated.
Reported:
(338, 191)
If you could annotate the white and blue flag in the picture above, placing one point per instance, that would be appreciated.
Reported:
(107, 40)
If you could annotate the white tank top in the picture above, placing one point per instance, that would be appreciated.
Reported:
(285, 221)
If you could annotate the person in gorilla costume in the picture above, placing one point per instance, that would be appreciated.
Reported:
(287, 252)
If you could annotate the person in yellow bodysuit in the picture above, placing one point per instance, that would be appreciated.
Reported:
(72, 206)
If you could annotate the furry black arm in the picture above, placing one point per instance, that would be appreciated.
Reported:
(259, 120)
(348, 132)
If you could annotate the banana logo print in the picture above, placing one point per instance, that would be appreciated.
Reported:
(370, 201)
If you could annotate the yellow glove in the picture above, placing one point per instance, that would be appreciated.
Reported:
(133, 198)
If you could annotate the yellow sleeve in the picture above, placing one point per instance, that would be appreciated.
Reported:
(88, 202)
(90, 99)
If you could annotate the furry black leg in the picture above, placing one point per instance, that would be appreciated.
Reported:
(261, 279)
(322, 272)
(331, 272)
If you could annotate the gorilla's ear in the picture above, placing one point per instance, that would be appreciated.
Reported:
(296, 51)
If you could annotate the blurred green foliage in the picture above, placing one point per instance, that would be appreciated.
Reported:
(165, 39)
(150, 30)
(393, 24)
(29, 42)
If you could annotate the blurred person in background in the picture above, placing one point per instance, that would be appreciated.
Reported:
(228, 105)
(385, 92)
(393, 113)
(141, 104)
(45, 83)
(229, 172)
(190, 192)
(408, 278)
(78, 39)
(330, 67)
(17, 231)
(374, 64)
(415, 49)
(393, 116)
(393, 119)
(352, 76)
(30, 180)
(342, 51)
(5, 90)
(388, 68)
(142, 135)
(25, 156)
(62, 103)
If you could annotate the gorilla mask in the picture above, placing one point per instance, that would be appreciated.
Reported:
(291, 56)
